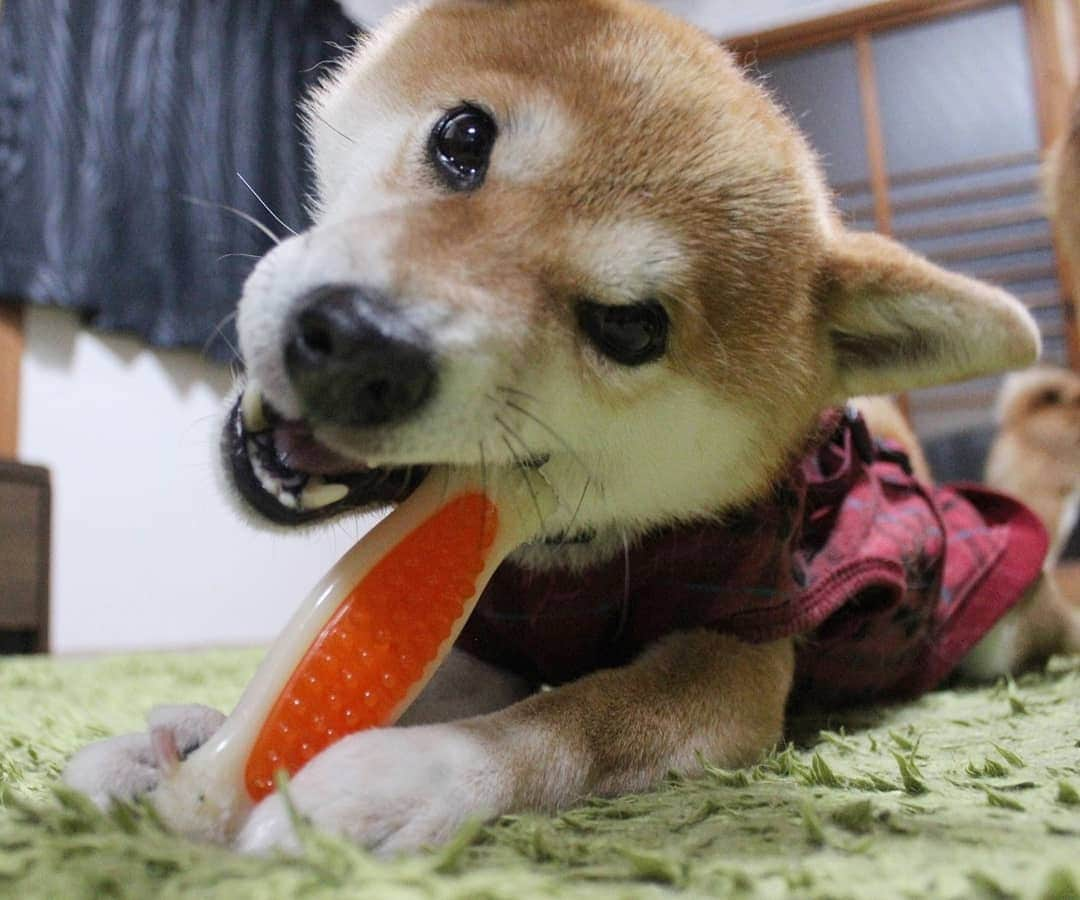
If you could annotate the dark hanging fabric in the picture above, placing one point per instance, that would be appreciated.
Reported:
(122, 124)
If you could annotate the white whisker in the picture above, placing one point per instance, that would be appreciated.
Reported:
(219, 332)
(551, 431)
(580, 504)
(235, 255)
(264, 204)
(250, 219)
(528, 484)
(336, 131)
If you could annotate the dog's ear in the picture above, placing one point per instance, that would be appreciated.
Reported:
(895, 322)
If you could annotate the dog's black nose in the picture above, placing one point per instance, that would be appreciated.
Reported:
(354, 360)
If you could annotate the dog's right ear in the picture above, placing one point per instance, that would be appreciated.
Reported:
(895, 322)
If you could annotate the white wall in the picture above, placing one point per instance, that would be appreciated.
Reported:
(146, 552)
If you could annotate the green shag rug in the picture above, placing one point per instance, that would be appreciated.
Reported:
(967, 793)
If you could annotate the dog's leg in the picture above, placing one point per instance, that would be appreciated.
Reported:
(1043, 624)
(694, 696)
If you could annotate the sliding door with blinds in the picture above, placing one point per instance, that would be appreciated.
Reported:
(930, 132)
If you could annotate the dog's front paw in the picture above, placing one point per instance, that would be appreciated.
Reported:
(126, 767)
(390, 790)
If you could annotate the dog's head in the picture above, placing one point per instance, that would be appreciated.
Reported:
(1041, 409)
(572, 232)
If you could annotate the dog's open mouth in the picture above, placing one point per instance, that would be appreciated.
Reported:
(284, 473)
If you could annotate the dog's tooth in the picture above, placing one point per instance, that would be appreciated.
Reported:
(295, 482)
(318, 496)
(269, 482)
(252, 410)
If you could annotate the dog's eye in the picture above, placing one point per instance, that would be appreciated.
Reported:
(1050, 397)
(460, 147)
(630, 335)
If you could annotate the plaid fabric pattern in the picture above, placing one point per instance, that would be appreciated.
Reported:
(886, 581)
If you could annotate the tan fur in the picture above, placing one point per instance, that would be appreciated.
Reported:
(1047, 623)
(886, 420)
(693, 697)
(1036, 455)
(1042, 624)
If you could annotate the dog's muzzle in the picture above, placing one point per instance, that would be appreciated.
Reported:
(355, 361)
(283, 473)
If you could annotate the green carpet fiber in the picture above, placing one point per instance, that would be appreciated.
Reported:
(967, 793)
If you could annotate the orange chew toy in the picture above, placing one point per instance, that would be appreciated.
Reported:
(362, 646)
(359, 670)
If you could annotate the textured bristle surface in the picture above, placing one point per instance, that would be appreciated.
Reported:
(379, 642)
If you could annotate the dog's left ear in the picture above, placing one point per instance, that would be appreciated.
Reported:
(896, 322)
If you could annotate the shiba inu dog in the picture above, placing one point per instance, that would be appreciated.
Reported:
(1036, 454)
(571, 235)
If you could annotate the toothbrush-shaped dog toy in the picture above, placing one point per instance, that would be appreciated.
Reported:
(360, 649)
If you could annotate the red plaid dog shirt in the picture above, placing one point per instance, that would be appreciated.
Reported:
(889, 582)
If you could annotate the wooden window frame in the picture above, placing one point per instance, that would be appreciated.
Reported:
(844, 26)
(1053, 33)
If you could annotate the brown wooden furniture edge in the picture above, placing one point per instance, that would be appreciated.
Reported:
(41, 478)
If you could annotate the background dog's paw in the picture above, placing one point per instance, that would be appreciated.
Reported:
(126, 767)
(120, 768)
(390, 790)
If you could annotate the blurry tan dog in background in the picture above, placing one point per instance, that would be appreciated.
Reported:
(1036, 456)
(589, 202)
